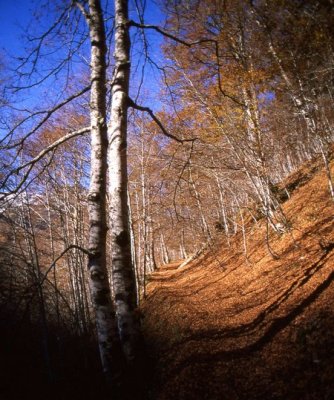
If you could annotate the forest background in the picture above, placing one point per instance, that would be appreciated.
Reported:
(226, 99)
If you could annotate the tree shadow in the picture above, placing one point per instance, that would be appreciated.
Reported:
(274, 328)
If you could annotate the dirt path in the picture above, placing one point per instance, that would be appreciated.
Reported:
(226, 328)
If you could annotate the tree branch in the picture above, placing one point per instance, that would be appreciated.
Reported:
(39, 156)
(52, 146)
(134, 105)
(169, 35)
(190, 44)
(48, 113)
(70, 247)
(82, 9)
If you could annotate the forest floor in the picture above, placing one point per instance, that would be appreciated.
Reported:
(230, 328)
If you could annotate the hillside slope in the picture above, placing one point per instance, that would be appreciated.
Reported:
(226, 328)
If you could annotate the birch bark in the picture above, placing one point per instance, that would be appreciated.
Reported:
(124, 282)
(98, 275)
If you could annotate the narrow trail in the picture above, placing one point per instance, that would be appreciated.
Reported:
(226, 328)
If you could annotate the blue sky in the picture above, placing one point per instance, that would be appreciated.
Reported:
(16, 15)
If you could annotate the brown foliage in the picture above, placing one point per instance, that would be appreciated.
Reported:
(224, 328)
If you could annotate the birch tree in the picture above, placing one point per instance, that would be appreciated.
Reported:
(124, 281)
(98, 274)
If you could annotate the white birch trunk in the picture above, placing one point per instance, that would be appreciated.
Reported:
(124, 282)
(98, 274)
(164, 251)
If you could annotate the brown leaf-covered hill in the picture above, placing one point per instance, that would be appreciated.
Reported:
(223, 327)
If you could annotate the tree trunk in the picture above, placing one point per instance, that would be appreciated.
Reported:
(124, 282)
(164, 250)
(204, 225)
(98, 274)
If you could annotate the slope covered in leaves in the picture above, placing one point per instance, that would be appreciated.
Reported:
(224, 327)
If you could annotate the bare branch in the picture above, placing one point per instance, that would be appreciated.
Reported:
(35, 53)
(48, 113)
(40, 155)
(53, 146)
(70, 247)
(134, 105)
(169, 35)
(82, 9)
(190, 44)
(45, 278)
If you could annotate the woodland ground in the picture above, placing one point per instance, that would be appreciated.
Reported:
(228, 328)
(222, 327)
